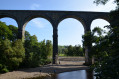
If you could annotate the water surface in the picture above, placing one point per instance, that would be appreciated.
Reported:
(80, 74)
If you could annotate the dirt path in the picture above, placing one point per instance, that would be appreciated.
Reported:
(64, 66)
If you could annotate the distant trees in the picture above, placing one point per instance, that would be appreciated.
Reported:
(61, 50)
(74, 51)
(71, 50)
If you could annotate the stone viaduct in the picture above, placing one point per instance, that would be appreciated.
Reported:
(22, 17)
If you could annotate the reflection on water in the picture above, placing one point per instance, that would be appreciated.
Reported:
(72, 75)
(90, 74)
(80, 74)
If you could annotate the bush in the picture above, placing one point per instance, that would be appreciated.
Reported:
(108, 69)
(3, 69)
(11, 54)
(45, 61)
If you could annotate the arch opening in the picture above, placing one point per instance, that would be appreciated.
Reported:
(101, 23)
(38, 39)
(9, 21)
(11, 31)
(70, 48)
(39, 26)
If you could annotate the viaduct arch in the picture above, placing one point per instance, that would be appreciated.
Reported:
(55, 17)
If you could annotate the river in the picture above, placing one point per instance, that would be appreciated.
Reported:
(80, 74)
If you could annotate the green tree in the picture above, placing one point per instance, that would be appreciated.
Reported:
(27, 35)
(5, 32)
(70, 51)
(14, 32)
(11, 54)
(107, 68)
(32, 54)
(78, 51)
(94, 39)
(6, 53)
(43, 52)
(18, 53)
(49, 48)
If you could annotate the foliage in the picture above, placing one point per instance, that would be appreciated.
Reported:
(107, 67)
(5, 32)
(45, 61)
(61, 49)
(14, 54)
(11, 54)
(14, 31)
(3, 69)
(72, 51)
(36, 52)
(88, 36)
(18, 53)
(95, 37)
(101, 2)
(49, 48)
(60, 54)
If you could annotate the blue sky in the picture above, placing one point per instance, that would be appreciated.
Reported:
(69, 30)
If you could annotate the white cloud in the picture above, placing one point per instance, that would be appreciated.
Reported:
(38, 23)
(35, 6)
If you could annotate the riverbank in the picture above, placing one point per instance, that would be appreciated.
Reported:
(66, 64)
(47, 70)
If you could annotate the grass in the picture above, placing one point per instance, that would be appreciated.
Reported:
(62, 54)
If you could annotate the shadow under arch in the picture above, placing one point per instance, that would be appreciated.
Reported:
(78, 18)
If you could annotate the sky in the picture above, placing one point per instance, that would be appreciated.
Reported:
(70, 30)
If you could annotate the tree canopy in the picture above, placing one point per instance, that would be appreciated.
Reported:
(107, 49)
(15, 54)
